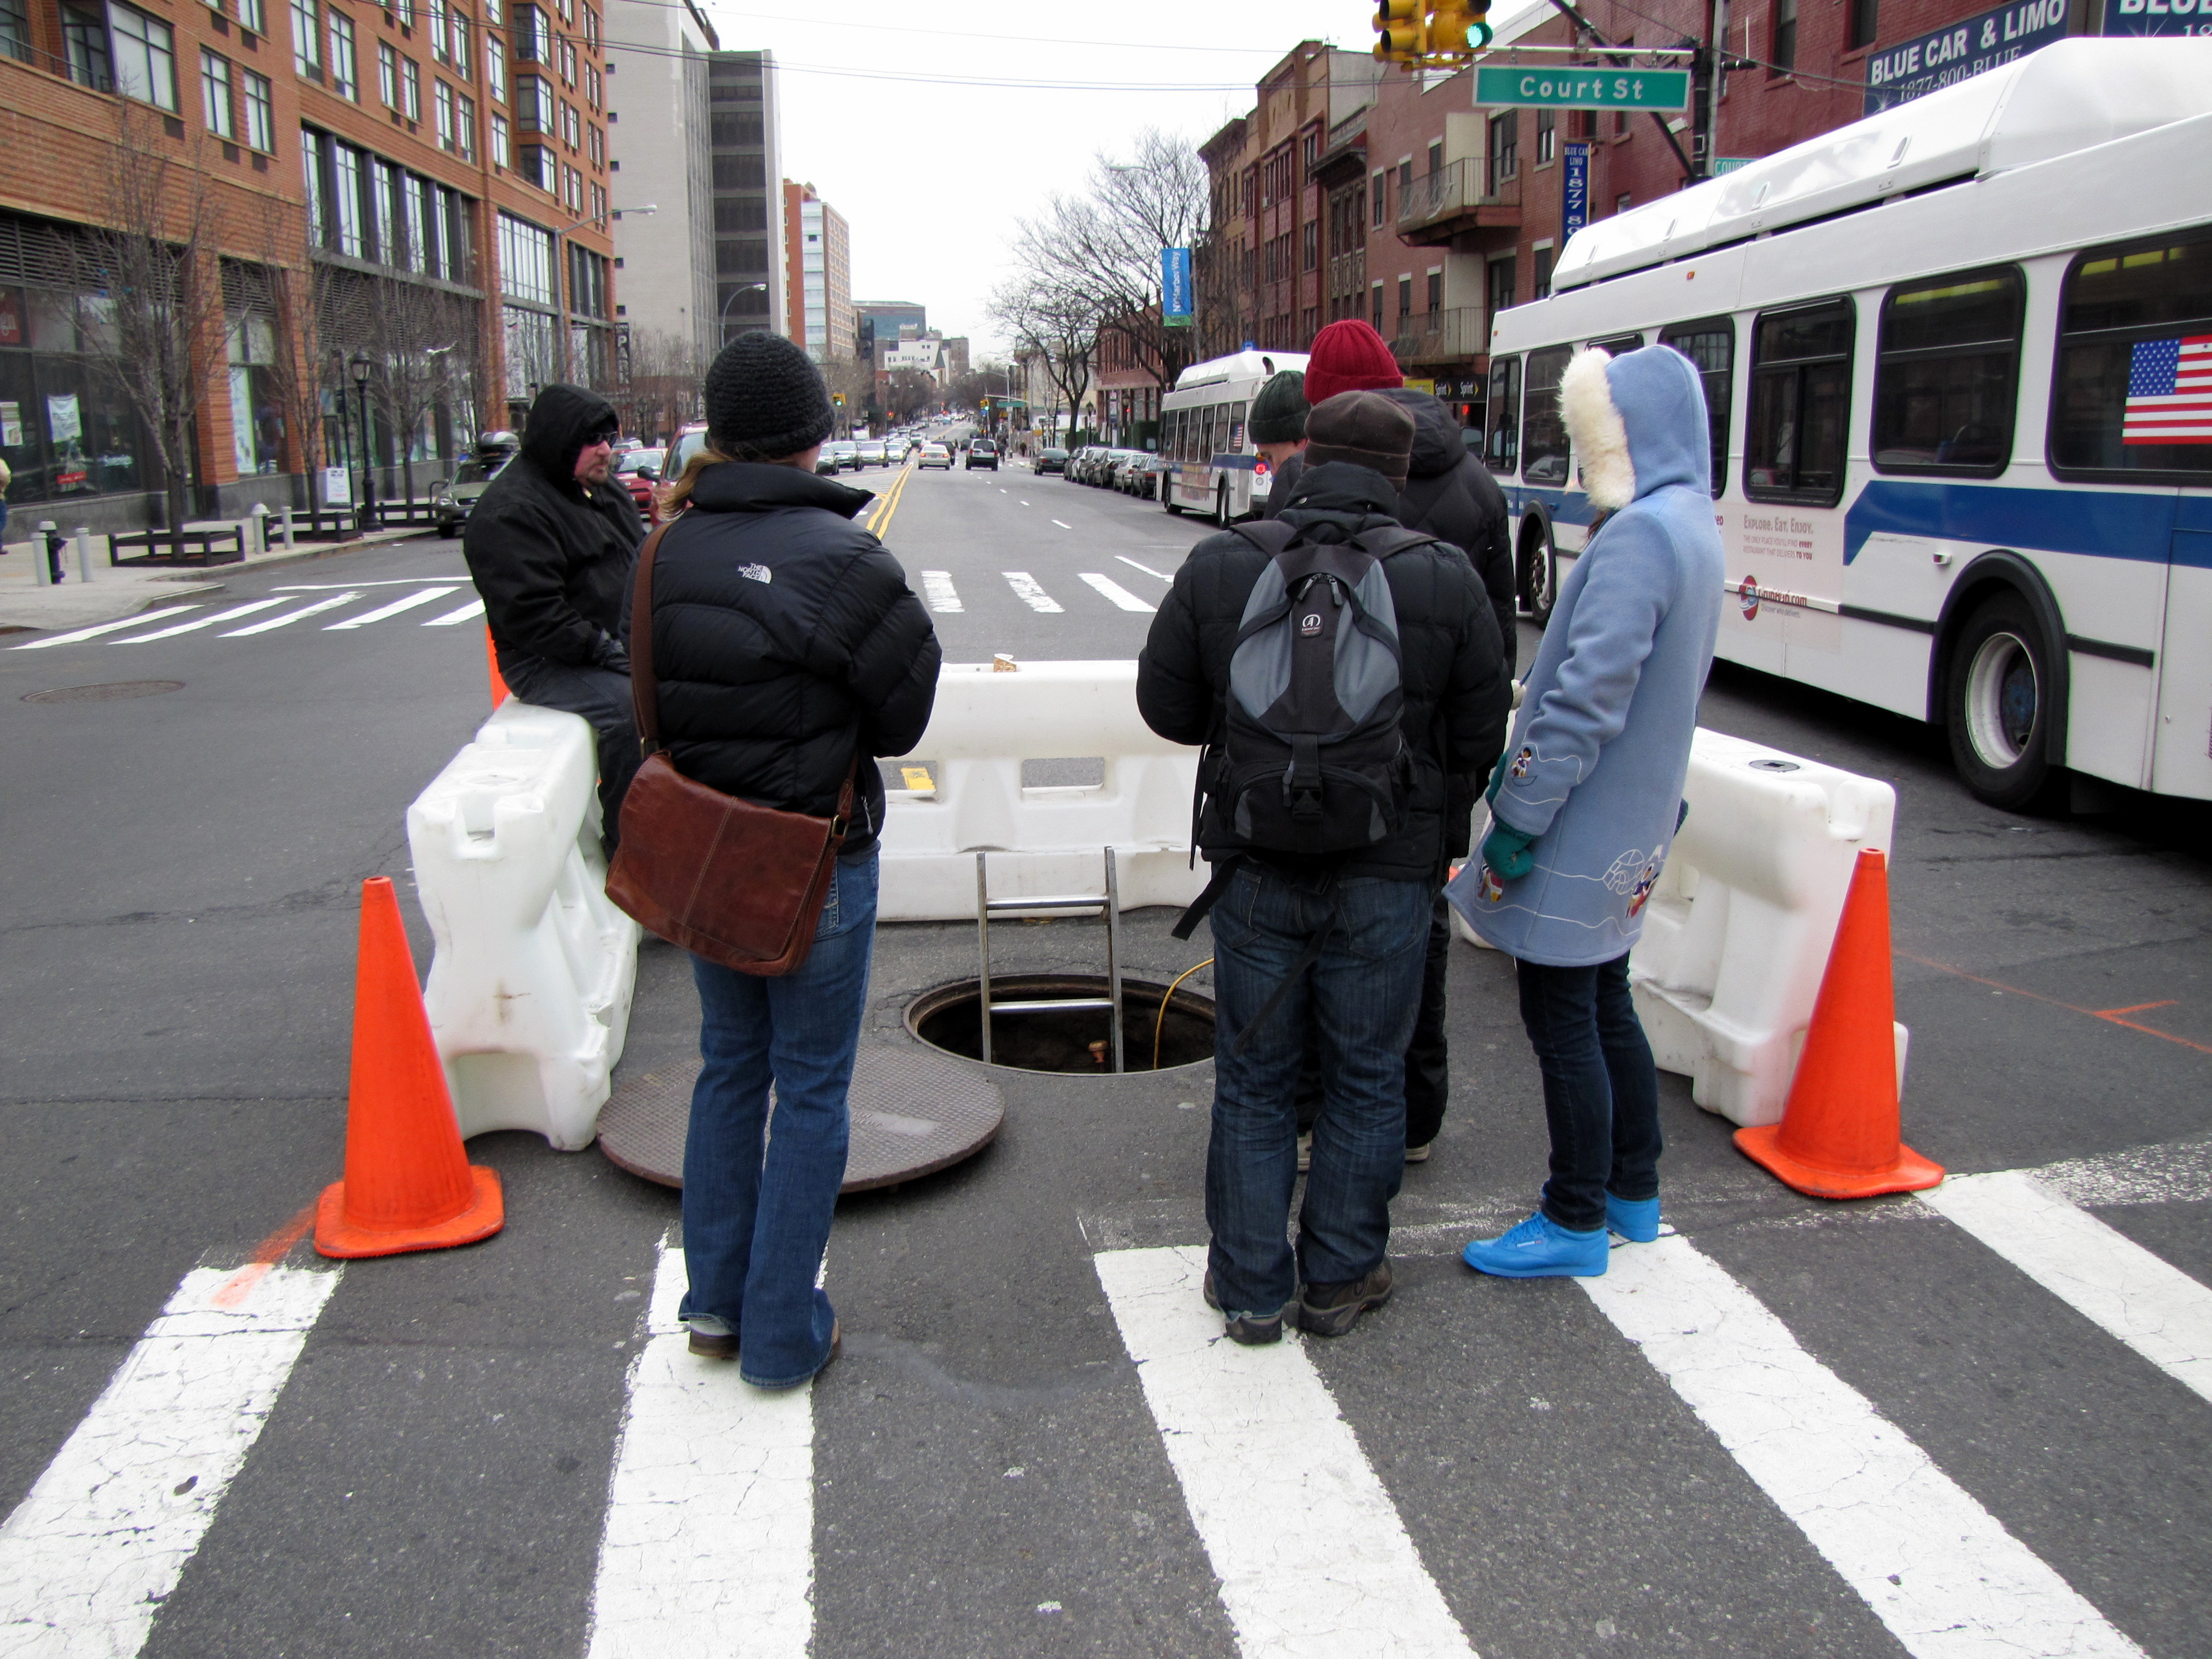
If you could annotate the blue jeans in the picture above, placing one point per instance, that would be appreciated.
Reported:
(1601, 1088)
(759, 1189)
(1360, 996)
(601, 696)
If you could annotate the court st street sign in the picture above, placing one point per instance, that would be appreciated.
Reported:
(1583, 87)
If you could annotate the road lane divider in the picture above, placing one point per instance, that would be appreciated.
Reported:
(1162, 575)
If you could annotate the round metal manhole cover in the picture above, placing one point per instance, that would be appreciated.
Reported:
(913, 1114)
(113, 691)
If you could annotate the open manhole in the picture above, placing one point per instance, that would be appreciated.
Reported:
(1073, 1042)
(113, 691)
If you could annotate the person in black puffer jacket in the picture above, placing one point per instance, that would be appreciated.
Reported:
(787, 648)
(551, 546)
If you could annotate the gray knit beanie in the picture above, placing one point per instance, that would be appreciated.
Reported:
(1279, 413)
(765, 400)
(1363, 427)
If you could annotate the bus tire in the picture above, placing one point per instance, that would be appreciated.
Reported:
(1539, 575)
(1221, 504)
(1998, 706)
(1167, 499)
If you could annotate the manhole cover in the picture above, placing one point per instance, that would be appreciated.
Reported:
(913, 1114)
(1073, 1042)
(113, 691)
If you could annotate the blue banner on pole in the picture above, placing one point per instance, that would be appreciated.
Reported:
(1174, 286)
(1574, 192)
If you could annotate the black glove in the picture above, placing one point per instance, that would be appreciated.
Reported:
(610, 654)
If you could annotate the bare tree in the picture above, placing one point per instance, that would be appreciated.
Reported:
(295, 283)
(414, 330)
(912, 393)
(1055, 321)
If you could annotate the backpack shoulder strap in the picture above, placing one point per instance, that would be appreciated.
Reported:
(1270, 536)
(1383, 541)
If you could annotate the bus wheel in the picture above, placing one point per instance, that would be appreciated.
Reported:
(1998, 708)
(1167, 499)
(1540, 572)
(1221, 504)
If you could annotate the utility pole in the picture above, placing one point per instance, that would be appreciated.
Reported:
(1621, 55)
(1717, 59)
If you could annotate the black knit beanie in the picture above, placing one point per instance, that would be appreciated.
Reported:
(765, 400)
(1279, 413)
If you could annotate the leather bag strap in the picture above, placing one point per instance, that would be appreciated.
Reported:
(644, 689)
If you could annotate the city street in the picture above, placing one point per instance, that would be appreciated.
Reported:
(1898, 1419)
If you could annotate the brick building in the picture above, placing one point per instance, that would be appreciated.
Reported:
(422, 190)
(818, 275)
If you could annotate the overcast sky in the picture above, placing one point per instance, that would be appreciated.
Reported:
(932, 172)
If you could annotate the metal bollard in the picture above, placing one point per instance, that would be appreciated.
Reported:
(83, 553)
(288, 527)
(46, 561)
(257, 524)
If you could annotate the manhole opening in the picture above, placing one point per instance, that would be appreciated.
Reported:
(1073, 1042)
(113, 691)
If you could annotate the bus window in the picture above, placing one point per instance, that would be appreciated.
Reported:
(1710, 346)
(1207, 449)
(2134, 348)
(1236, 444)
(1947, 374)
(1801, 401)
(1178, 421)
(1614, 347)
(1502, 451)
(1543, 428)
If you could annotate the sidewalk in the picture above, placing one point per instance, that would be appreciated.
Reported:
(116, 591)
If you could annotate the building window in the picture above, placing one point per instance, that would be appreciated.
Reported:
(598, 143)
(459, 25)
(260, 114)
(1504, 148)
(410, 90)
(593, 89)
(1539, 273)
(441, 96)
(1866, 22)
(525, 260)
(494, 66)
(1380, 188)
(1546, 136)
(1785, 35)
(252, 17)
(495, 11)
(1405, 301)
(344, 80)
(465, 126)
(599, 204)
(1501, 285)
(571, 128)
(346, 199)
(388, 75)
(214, 94)
(1801, 395)
(1623, 202)
(1310, 235)
(404, 10)
(1436, 292)
(502, 149)
(567, 61)
(530, 37)
(307, 39)
(311, 173)
(533, 104)
(145, 57)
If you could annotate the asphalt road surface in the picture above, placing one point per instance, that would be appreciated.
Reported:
(1969, 1427)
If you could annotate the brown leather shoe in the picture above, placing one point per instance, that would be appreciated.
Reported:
(1333, 1310)
(709, 1345)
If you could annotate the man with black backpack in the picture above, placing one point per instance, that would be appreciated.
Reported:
(1348, 681)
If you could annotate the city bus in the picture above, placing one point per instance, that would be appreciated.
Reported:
(1211, 465)
(1958, 358)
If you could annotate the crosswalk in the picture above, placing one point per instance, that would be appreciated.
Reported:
(943, 595)
(1289, 1478)
(285, 606)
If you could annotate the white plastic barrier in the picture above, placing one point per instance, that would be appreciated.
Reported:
(1738, 932)
(984, 725)
(530, 987)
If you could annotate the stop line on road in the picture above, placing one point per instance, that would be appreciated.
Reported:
(119, 633)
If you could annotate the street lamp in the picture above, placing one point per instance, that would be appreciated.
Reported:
(561, 295)
(732, 295)
(367, 515)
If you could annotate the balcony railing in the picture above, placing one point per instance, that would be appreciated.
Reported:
(1437, 336)
(1455, 191)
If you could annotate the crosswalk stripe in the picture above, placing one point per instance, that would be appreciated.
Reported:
(709, 1546)
(1063, 526)
(936, 586)
(1032, 592)
(392, 610)
(95, 632)
(1936, 1567)
(89, 1555)
(1162, 575)
(231, 615)
(1311, 1554)
(2147, 1303)
(291, 617)
(1115, 591)
(468, 612)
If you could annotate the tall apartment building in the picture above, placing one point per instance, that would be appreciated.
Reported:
(818, 275)
(657, 108)
(422, 190)
(749, 229)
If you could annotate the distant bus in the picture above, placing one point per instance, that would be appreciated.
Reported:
(1212, 467)
(1959, 360)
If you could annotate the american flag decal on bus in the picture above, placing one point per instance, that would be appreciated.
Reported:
(2170, 392)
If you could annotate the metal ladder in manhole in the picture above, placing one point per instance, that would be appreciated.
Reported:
(1109, 904)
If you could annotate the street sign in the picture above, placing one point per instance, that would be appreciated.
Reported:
(1583, 87)
(1729, 163)
(1574, 191)
(1174, 286)
(1960, 50)
(2156, 17)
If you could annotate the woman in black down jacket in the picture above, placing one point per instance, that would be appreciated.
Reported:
(787, 648)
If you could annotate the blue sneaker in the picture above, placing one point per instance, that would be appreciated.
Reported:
(1636, 1219)
(1539, 1249)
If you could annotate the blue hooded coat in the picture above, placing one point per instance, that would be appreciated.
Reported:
(1596, 764)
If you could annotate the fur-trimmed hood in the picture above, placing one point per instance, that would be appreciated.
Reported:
(1638, 424)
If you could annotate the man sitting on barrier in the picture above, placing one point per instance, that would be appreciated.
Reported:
(552, 544)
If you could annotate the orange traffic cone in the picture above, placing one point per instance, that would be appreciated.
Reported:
(408, 1185)
(1839, 1134)
(499, 691)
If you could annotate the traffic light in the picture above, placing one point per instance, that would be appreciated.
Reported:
(1478, 15)
(837, 399)
(1401, 31)
(1451, 22)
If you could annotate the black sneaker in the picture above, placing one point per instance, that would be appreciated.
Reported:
(1252, 1330)
(1333, 1310)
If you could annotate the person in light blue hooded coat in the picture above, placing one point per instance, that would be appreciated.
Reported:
(1585, 805)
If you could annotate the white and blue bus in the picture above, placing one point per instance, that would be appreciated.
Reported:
(1211, 465)
(1959, 360)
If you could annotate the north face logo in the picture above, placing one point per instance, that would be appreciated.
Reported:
(1310, 624)
(756, 573)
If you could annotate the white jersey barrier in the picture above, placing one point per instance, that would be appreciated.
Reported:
(529, 987)
(984, 725)
(1737, 934)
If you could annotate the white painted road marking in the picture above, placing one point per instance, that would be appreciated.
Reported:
(937, 586)
(138, 621)
(291, 617)
(2151, 1305)
(1146, 568)
(1113, 591)
(709, 1548)
(1033, 595)
(172, 631)
(1311, 1555)
(1063, 526)
(1936, 1568)
(473, 609)
(392, 610)
(89, 1555)
(382, 581)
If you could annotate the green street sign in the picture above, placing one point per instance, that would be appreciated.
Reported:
(1583, 87)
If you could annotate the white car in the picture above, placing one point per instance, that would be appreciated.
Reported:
(935, 454)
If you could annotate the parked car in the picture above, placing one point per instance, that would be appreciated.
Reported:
(873, 454)
(982, 452)
(452, 498)
(1077, 463)
(1050, 460)
(1142, 477)
(935, 454)
(638, 471)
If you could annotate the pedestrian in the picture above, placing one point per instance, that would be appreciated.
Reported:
(1321, 928)
(551, 546)
(7, 478)
(1585, 811)
(1278, 428)
(788, 653)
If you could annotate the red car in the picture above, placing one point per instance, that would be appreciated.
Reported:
(638, 471)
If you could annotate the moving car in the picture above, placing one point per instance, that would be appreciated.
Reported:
(982, 452)
(452, 498)
(638, 471)
(845, 453)
(1052, 460)
(935, 454)
(873, 454)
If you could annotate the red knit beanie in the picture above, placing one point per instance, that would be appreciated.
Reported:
(1349, 357)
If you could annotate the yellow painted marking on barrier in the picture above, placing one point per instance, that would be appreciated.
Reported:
(917, 777)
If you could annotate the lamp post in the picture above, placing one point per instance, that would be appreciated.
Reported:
(747, 288)
(366, 514)
(561, 295)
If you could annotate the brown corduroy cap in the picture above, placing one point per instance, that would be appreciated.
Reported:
(1365, 428)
